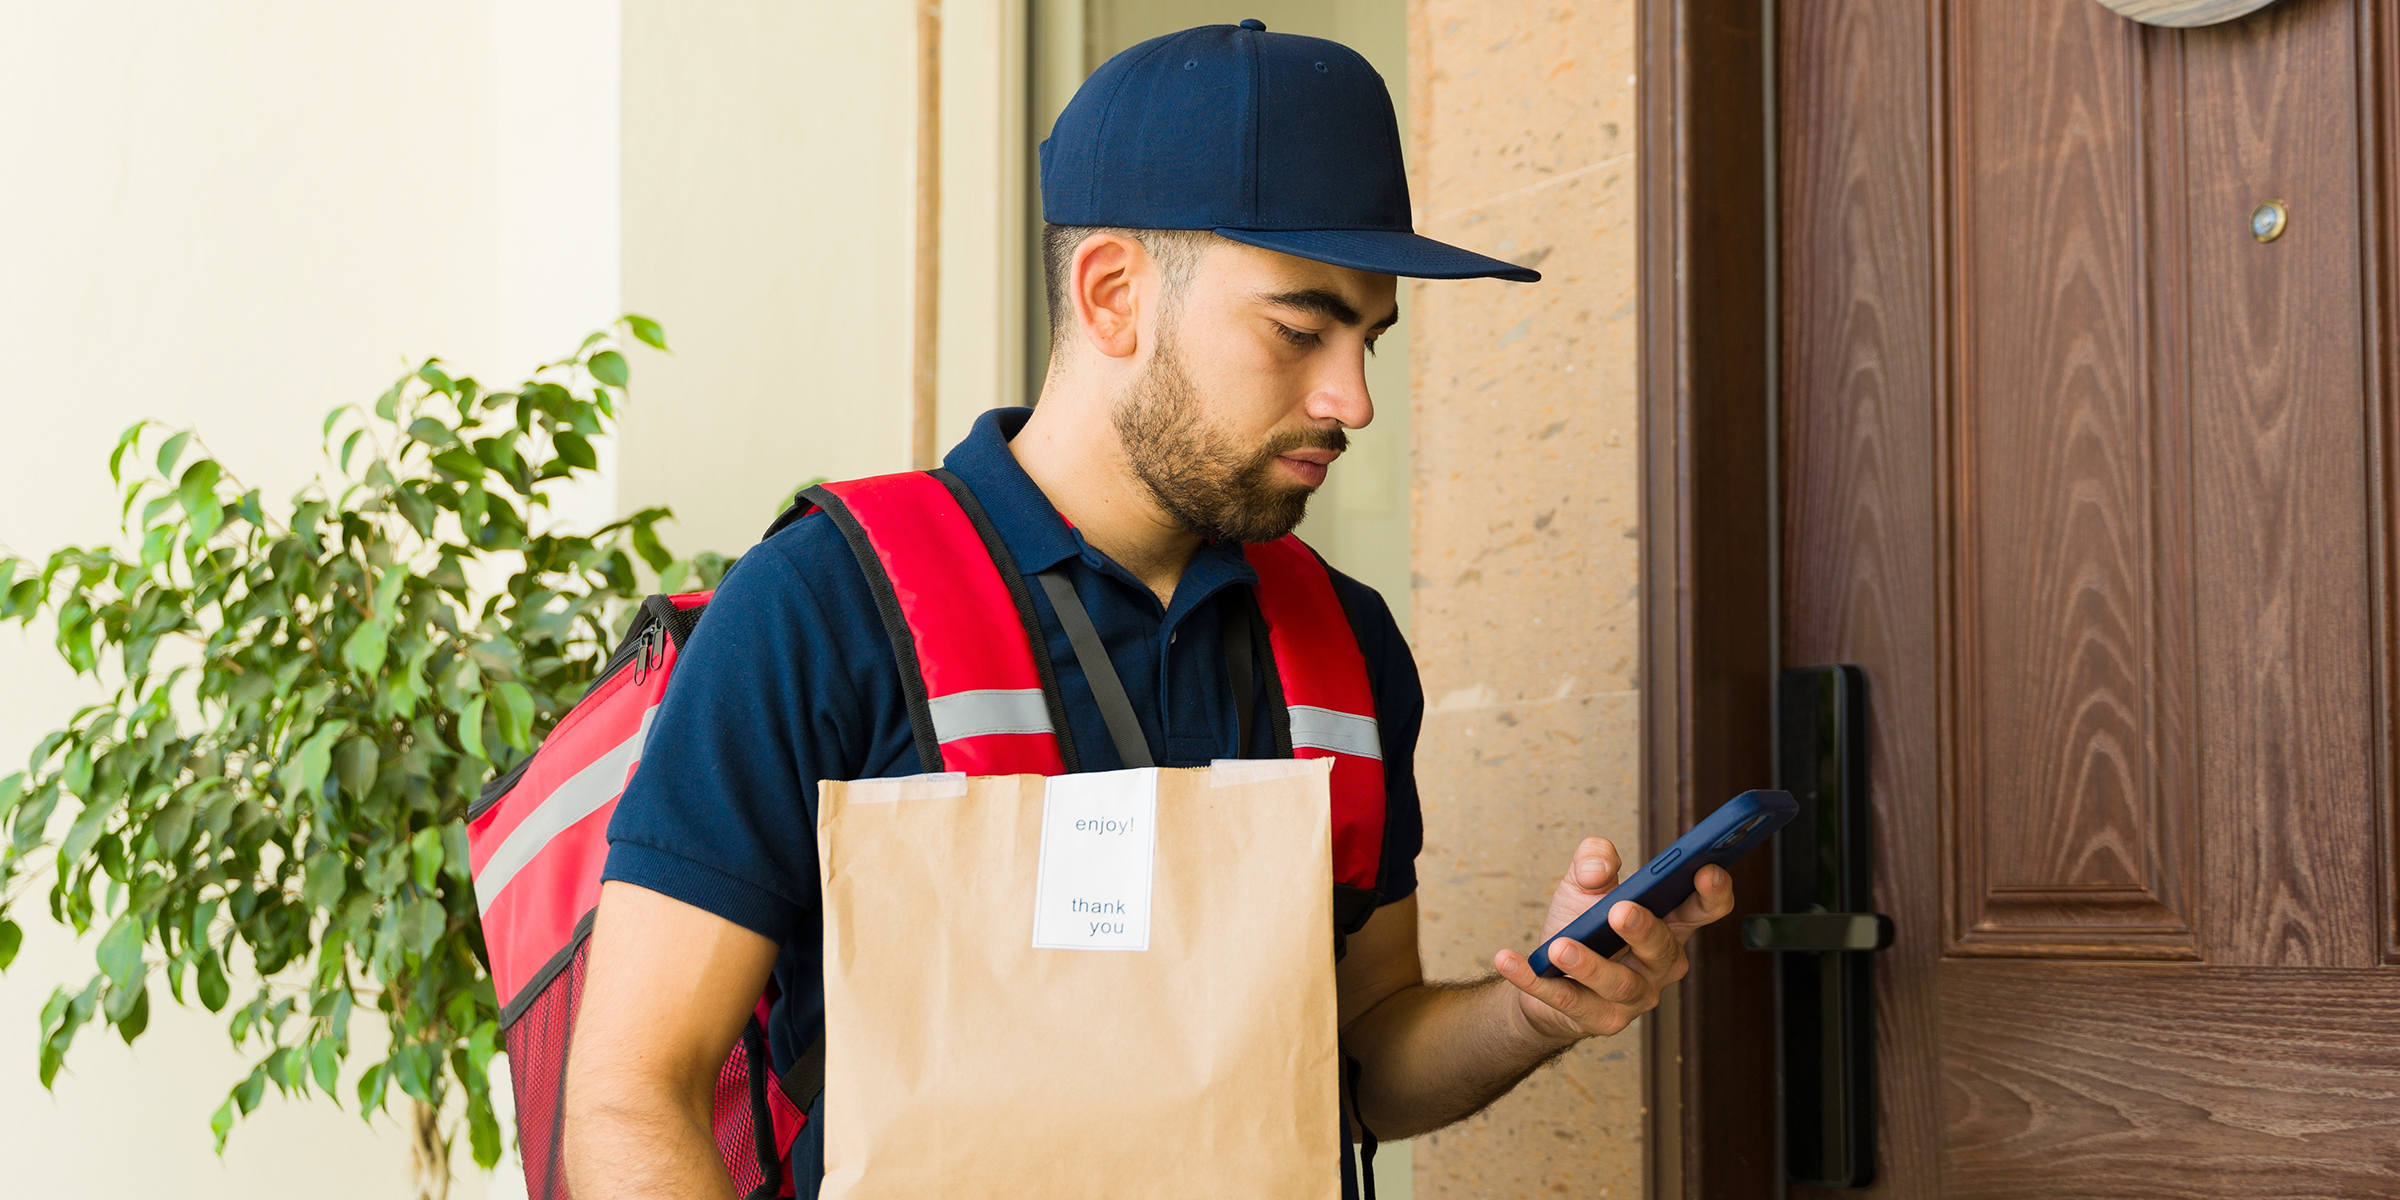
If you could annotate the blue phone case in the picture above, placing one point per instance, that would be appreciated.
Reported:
(1739, 826)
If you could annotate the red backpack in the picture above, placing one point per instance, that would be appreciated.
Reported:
(982, 698)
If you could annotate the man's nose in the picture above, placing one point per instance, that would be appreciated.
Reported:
(1341, 395)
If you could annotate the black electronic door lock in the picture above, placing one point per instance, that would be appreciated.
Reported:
(1824, 973)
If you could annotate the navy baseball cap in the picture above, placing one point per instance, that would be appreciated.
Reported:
(1274, 140)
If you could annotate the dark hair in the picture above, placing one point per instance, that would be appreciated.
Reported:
(1177, 252)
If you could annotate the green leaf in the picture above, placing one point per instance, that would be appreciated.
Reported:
(646, 544)
(387, 405)
(125, 441)
(213, 987)
(250, 1091)
(425, 857)
(455, 856)
(326, 877)
(576, 451)
(198, 489)
(460, 462)
(120, 953)
(222, 1123)
(388, 588)
(171, 452)
(76, 775)
(370, 1089)
(431, 432)
(417, 510)
(306, 771)
(365, 647)
(354, 766)
(516, 715)
(12, 937)
(131, 1025)
(435, 378)
(470, 730)
(423, 926)
(608, 367)
(85, 832)
(173, 827)
(349, 444)
(646, 330)
(325, 1062)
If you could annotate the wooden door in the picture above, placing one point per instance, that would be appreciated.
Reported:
(2096, 486)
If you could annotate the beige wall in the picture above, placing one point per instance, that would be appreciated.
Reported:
(238, 216)
(1526, 554)
(769, 187)
(767, 183)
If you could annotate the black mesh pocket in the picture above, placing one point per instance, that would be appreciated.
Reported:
(538, 1042)
(543, 1034)
(745, 1131)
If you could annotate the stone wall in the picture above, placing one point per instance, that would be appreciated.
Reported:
(1526, 553)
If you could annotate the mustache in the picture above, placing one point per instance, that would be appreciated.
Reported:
(1306, 438)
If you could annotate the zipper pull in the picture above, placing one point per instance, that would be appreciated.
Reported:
(651, 650)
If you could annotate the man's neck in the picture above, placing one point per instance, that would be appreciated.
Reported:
(1069, 448)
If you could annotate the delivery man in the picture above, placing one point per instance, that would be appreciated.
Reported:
(1227, 217)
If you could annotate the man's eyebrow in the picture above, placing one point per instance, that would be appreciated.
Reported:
(1327, 304)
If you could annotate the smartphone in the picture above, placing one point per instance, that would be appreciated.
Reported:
(1739, 826)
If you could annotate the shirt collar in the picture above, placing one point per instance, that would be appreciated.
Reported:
(1029, 525)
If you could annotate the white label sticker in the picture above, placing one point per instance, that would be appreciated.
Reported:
(1097, 843)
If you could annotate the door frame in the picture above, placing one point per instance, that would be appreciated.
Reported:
(1709, 567)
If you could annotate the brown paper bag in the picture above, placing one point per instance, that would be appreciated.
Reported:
(963, 1060)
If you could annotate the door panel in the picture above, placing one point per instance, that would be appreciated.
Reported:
(2279, 488)
(2071, 803)
(2092, 484)
(2282, 1080)
(1858, 479)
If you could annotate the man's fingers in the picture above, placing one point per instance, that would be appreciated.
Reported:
(1655, 946)
(1711, 900)
(1560, 993)
(1595, 867)
(1610, 980)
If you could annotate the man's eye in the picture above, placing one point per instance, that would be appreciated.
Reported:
(1294, 336)
(1371, 345)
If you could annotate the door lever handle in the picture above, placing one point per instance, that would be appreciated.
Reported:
(1819, 932)
(1824, 965)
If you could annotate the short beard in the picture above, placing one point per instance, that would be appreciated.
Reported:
(1216, 490)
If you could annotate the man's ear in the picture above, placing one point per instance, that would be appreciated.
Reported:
(1105, 282)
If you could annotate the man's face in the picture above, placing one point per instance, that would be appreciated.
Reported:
(1254, 372)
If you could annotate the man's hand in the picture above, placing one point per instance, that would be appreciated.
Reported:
(1434, 1054)
(1602, 996)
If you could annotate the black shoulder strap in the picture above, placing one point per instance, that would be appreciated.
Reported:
(1007, 564)
(1235, 621)
(1116, 708)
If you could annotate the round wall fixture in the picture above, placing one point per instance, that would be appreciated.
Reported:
(2184, 14)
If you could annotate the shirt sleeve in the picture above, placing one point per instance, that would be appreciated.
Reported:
(1399, 715)
(780, 685)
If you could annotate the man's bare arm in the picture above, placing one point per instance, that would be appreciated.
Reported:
(665, 995)
(1433, 1054)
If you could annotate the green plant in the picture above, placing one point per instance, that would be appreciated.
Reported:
(303, 701)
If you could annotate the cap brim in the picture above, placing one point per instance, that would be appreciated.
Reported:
(1385, 252)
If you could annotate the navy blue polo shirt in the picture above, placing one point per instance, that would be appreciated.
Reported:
(789, 678)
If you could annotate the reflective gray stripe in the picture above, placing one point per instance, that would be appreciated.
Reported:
(1341, 732)
(583, 793)
(991, 710)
